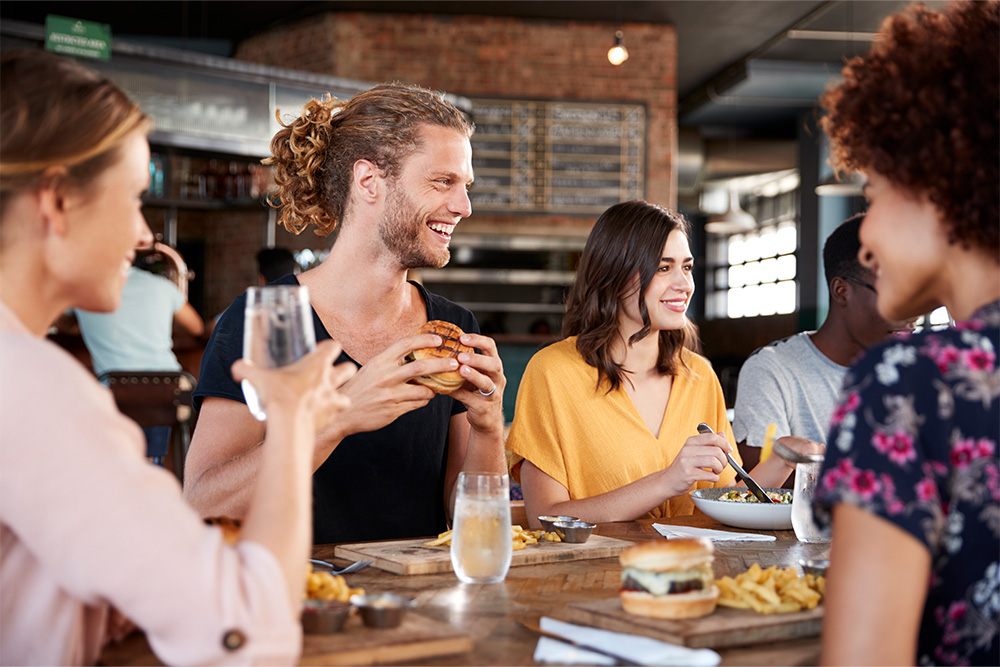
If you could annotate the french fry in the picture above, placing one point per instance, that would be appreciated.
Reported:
(443, 539)
(326, 586)
(765, 451)
(520, 538)
(771, 591)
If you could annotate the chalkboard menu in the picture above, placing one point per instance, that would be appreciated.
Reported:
(557, 157)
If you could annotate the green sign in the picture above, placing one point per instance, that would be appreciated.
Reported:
(84, 39)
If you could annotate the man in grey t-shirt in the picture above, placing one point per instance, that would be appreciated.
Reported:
(794, 382)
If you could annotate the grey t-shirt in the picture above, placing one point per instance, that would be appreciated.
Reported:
(788, 382)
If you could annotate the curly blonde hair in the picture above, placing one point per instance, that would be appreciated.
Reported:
(314, 154)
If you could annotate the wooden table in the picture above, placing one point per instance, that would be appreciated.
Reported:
(491, 613)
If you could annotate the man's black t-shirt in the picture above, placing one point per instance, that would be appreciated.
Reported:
(379, 485)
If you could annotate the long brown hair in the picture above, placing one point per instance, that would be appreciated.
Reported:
(314, 154)
(56, 113)
(627, 240)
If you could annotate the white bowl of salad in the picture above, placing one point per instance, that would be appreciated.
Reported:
(737, 506)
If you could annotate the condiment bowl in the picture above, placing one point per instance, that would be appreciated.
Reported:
(573, 531)
(548, 520)
(383, 610)
(321, 617)
(814, 566)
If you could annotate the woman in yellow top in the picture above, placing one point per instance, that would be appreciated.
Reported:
(605, 426)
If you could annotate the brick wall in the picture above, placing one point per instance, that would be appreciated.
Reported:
(481, 56)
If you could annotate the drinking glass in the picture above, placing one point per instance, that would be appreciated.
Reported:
(481, 546)
(277, 330)
(806, 530)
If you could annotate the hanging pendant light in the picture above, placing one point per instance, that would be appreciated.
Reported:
(851, 184)
(734, 221)
(618, 54)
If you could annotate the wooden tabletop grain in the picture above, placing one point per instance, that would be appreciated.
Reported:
(492, 613)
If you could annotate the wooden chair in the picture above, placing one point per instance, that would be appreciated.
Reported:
(157, 398)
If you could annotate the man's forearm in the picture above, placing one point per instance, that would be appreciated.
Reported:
(225, 489)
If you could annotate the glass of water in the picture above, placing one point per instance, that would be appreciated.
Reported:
(806, 478)
(481, 546)
(277, 331)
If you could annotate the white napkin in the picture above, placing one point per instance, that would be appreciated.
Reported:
(644, 650)
(714, 535)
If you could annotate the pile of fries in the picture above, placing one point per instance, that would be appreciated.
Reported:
(325, 586)
(520, 537)
(772, 591)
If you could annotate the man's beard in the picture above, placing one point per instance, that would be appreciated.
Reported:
(401, 227)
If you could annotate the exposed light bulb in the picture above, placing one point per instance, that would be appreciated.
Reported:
(617, 54)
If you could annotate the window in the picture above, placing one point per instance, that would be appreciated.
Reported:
(754, 273)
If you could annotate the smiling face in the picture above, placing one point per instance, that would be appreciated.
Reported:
(428, 199)
(104, 224)
(669, 294)
(904, 242)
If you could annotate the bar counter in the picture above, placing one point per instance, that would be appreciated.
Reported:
(491, 614)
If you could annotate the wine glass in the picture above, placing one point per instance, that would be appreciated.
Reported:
(277, 331)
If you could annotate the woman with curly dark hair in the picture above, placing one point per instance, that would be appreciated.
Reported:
(605, 426)
(911, 475)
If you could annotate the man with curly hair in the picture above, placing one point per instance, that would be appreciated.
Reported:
(386, 173)
(911, 481)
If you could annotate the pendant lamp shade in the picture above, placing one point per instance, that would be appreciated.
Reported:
(734, 221)
(851, 184)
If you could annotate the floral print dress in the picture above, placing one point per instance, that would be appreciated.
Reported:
(914, 441)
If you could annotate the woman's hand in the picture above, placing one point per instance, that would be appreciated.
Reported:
(701, 459)
(309, 385)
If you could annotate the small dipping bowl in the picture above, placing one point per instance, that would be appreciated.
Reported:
(814, 566)
(548, 520)
(575, 531)
(383, 610)
(323, 617)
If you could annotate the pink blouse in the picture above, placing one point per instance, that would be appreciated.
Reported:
(86, 523)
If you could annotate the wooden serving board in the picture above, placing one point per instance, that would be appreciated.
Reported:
(722, 628)
(416, 638)
(412, 557)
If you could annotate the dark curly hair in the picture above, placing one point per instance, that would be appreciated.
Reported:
(627, 240)
(314, 154)
(923, 110)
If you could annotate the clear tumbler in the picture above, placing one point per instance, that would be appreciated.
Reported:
(481, 545)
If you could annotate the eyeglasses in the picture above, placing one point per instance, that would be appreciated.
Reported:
(860, 282)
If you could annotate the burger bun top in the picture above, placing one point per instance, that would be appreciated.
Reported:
(663, 555)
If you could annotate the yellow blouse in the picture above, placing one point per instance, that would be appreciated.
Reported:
(592, 441)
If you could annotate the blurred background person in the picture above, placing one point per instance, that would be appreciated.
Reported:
(911, 472)
(606, 422)
(794, 382)
(139, 335)
(86, 525)
(273, 263)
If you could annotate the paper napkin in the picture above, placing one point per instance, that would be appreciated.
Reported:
(714, 535)
(644, 650)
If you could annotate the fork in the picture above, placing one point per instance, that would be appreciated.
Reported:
(350, 569)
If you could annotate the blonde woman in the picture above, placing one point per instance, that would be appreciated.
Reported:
(86, 524)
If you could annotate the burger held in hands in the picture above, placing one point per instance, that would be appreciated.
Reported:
(449, 381)
(669, 579)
